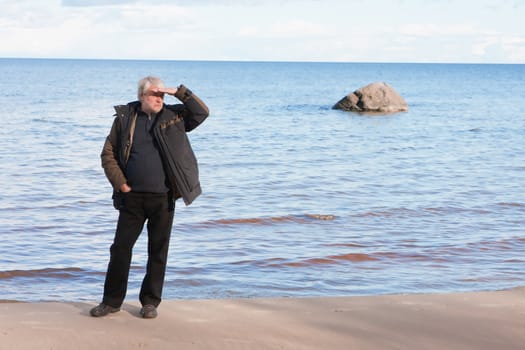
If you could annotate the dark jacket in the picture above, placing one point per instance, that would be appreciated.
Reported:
(173, 121)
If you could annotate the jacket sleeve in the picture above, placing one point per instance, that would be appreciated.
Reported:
(109, 158)
(195, 111)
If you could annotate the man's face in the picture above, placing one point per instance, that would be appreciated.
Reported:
(152, 102)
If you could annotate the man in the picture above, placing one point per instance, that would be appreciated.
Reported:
(148, 160)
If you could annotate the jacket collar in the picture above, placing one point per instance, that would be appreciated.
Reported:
(132, 108)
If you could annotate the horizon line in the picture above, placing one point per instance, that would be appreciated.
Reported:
(249, 61)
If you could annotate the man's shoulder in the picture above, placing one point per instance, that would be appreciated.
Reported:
(126, 110)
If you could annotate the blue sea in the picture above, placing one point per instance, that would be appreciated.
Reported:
(299, 199)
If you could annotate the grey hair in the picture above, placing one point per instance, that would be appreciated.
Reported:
(146, 83)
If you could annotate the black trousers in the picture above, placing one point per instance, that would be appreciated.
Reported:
(135, 210)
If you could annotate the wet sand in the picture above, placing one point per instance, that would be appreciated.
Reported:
(481, 320)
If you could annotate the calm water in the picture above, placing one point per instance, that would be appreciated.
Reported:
(299, 199)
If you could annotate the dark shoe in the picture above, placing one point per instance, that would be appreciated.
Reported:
(102, 310)
(148, 311)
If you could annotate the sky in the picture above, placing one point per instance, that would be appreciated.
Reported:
(446, 31)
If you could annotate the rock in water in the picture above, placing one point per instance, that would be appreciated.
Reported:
(376, 97)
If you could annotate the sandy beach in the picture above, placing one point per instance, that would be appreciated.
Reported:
(482, 320)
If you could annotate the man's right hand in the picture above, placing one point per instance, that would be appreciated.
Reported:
(165, 90)
(125, 188)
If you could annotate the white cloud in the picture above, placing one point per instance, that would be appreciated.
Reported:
(512, 47)
(437, 30)
(480, 48)
(264, 30)
(89, 3)
(299, 28)
(286, 30)
(89, 32)
(161, 18)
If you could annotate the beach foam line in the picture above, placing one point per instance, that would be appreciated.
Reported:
(480, 320)
(45, 272)
(301, 219)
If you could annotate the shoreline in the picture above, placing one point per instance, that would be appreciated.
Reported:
(471, 320)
